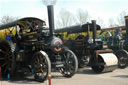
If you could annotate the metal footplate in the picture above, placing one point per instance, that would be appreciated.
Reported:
(110, 60)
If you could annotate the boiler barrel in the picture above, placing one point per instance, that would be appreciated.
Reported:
(70, 29)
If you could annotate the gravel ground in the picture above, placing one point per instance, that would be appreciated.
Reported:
(84, 76)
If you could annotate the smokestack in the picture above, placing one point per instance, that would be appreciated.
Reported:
(94, 30)
(126, 25)
(51, 19)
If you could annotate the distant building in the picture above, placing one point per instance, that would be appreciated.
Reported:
(112, 28)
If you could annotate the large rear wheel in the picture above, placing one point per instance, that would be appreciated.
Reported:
(70, 64)
(122, 56)
(41, 66)
(6, 59)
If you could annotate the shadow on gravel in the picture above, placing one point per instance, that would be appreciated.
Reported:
(58, 77)
(87, 71)
(121, 76)
(22, 78)
(28, 78)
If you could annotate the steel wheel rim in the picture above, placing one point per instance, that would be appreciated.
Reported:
(7, 57)
(69, 66)
(40, 66)
(122, 60)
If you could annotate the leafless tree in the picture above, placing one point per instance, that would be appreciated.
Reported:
(100, 22)
(112, 22)
(65, 18)
(6, 19)
(82, 16)
(120, 18)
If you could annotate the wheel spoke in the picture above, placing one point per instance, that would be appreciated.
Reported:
(122, 58)
(70, 65)
(40, 66)
(6, 55)
(4, 64)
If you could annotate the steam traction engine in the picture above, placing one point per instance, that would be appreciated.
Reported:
(32, 45)
(90, 50)
(118, 43)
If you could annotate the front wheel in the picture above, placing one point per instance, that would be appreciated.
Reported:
(70, 64)
(41, 66)
(98, 68)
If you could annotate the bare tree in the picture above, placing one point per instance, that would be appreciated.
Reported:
(82, 16)
(100, 22)
(65, 18)
(7, 19)
(120, 18)
(112, 22)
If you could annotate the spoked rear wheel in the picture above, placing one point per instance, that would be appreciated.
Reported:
(71, 64)
(122, 56)
(41, 66)
(6, 58)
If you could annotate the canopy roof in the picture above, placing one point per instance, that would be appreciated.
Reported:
(24, 22)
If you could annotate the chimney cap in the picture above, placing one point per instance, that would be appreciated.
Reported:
(126, 17)
(93, 20)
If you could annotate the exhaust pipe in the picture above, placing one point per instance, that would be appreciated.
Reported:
(126, 24)
(50, 9)
(94, 30)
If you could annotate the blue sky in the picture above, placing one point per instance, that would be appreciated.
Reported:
(104, 9)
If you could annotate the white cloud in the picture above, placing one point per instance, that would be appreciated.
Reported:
(103, 0)
(19, 0)
(96, 8)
